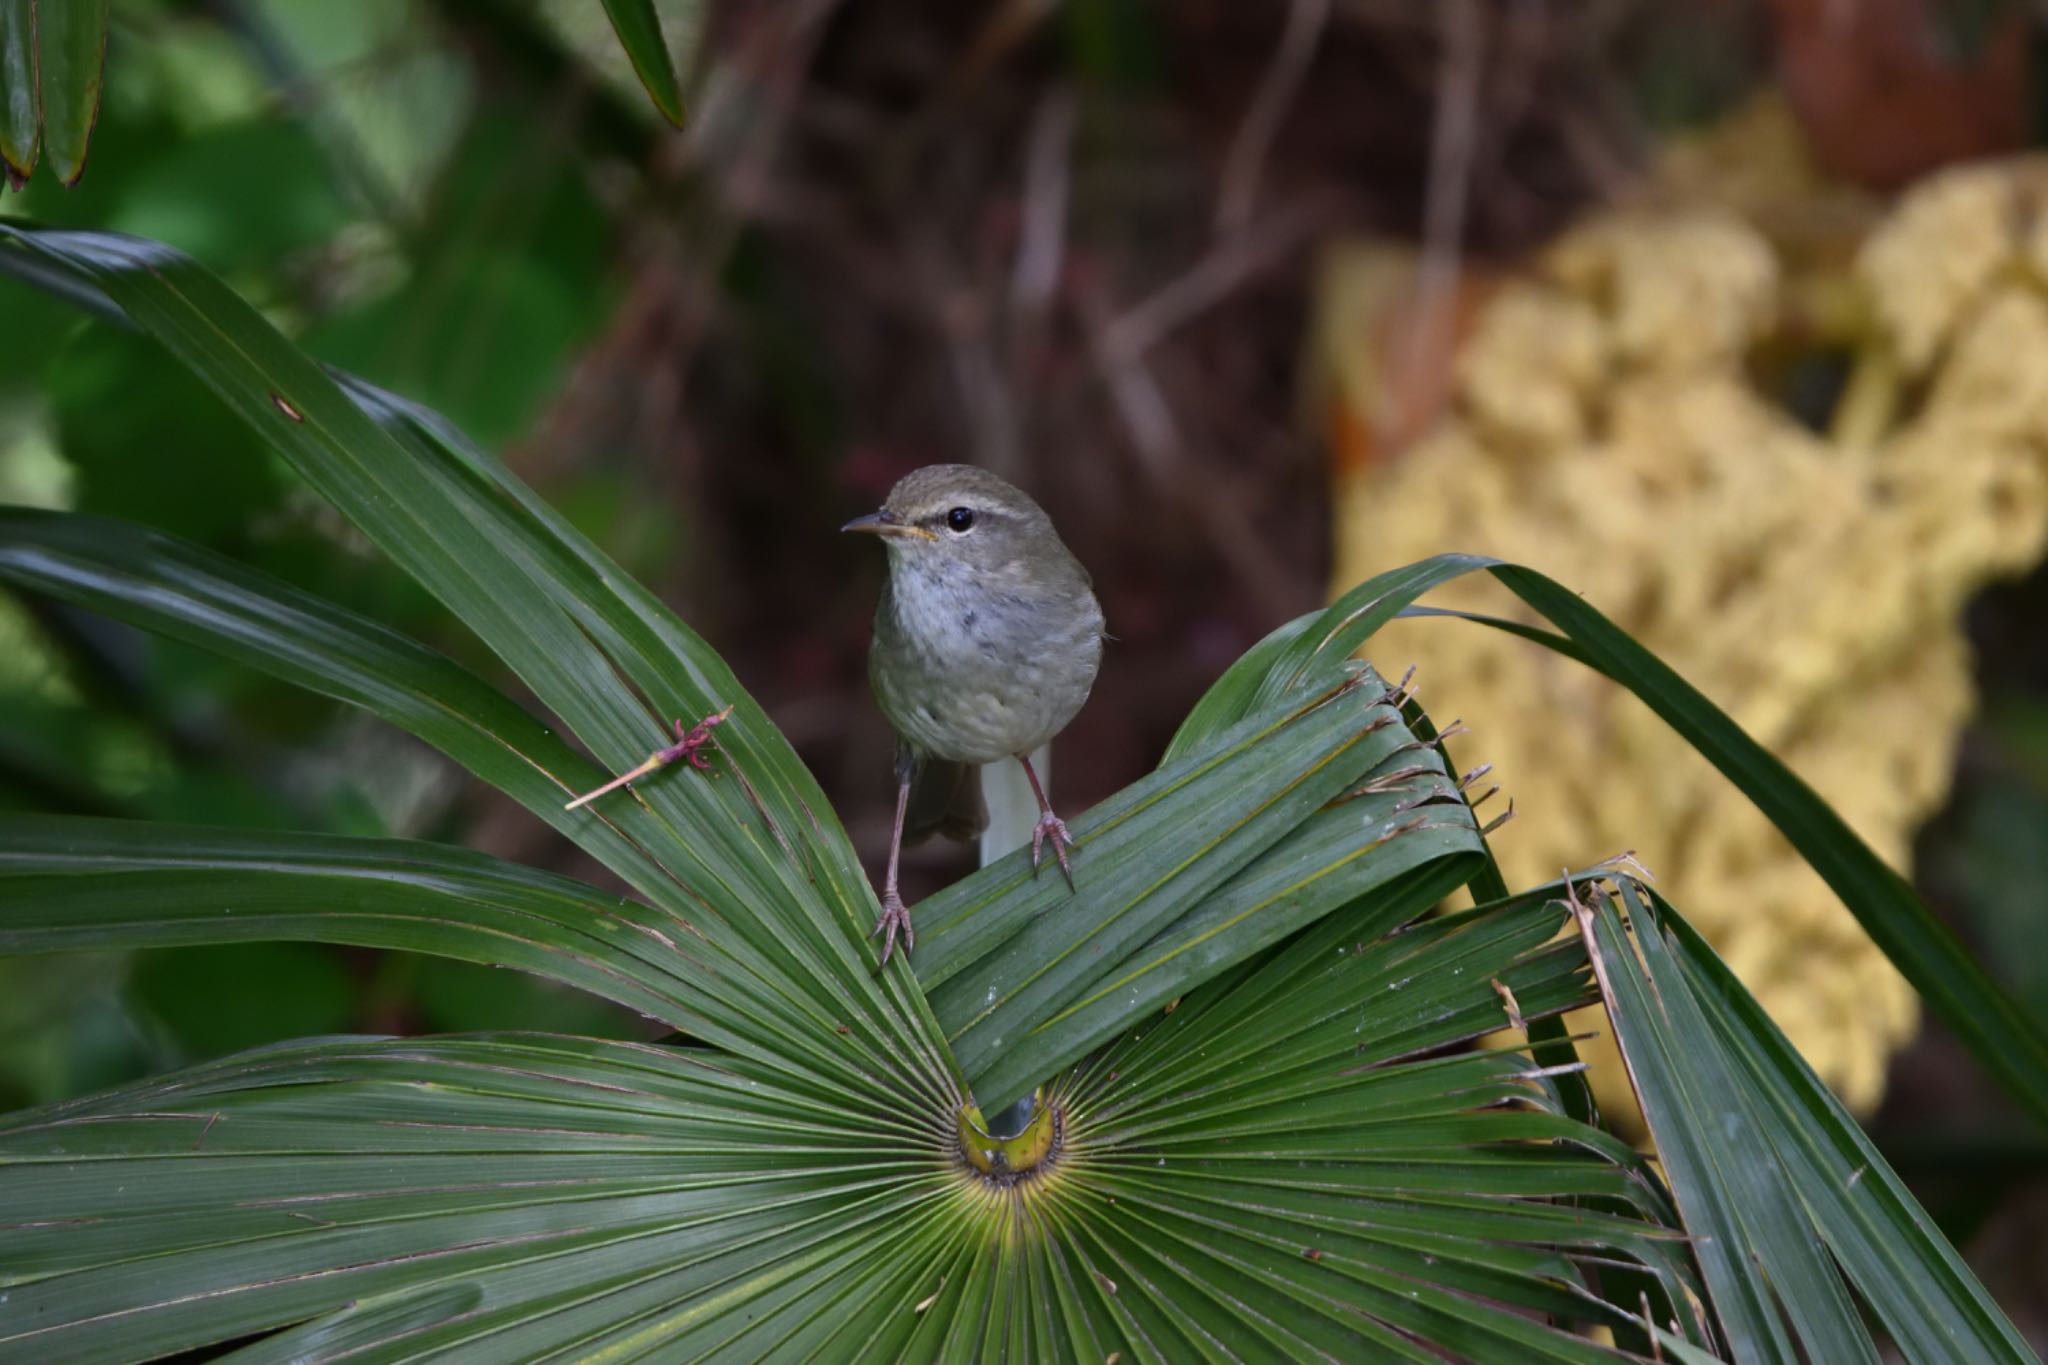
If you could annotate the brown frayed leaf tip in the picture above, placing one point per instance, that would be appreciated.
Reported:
(1507, 1001)
(1626, 859)
(1499, 820)
(1403, 692)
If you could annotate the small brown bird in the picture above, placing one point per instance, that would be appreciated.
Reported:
(987, 640)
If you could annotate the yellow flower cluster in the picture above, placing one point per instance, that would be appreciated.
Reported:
(1603, 424)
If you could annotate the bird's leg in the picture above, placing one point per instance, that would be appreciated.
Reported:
(894, 916)
(1049, 829)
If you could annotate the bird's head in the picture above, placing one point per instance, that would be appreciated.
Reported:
(953, 516)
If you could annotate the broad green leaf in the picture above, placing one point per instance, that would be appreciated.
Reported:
(1272, 1115)
(639, 30)
(1326, 741)
(1306, 876)
(305, 1180)
(197, 189)
(498, 306)
(521, 1194)
(71, 53)
(21, 126)
(1310, 651)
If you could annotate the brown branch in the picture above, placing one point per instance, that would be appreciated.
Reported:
(1042, 239)
(1246, 159)
(1453, 138)
(1239, 258)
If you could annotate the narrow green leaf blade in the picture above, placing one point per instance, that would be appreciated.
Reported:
(1690, 1140)
(1789, 1248)
(639, 31)
(21, 124)
(172, 587)
(466, 543)
(815, 911)
(1913, 1280)
(71, 54)
(82, 885)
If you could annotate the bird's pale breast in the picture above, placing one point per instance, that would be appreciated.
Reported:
(974, 669)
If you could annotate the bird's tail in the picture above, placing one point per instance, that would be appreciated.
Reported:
(945, 799)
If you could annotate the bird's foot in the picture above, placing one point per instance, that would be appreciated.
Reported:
(1050, 829)
(894, 919)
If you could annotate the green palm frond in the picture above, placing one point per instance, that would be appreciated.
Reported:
(1261, 1127)
(1360, 1188)
(1770, 1166)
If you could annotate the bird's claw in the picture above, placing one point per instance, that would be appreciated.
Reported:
(894, 919)
(1051, 829)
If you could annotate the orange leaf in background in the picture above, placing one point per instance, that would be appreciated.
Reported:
(1884, 96)
(1387, 354)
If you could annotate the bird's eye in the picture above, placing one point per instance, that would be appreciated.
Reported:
(960, 520)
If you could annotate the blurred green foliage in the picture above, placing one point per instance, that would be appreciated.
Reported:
(1987, 858)
(346, 166)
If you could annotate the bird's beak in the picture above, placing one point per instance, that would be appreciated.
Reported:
(880, 524)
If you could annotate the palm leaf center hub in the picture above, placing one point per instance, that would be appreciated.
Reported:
(1003, 1161)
